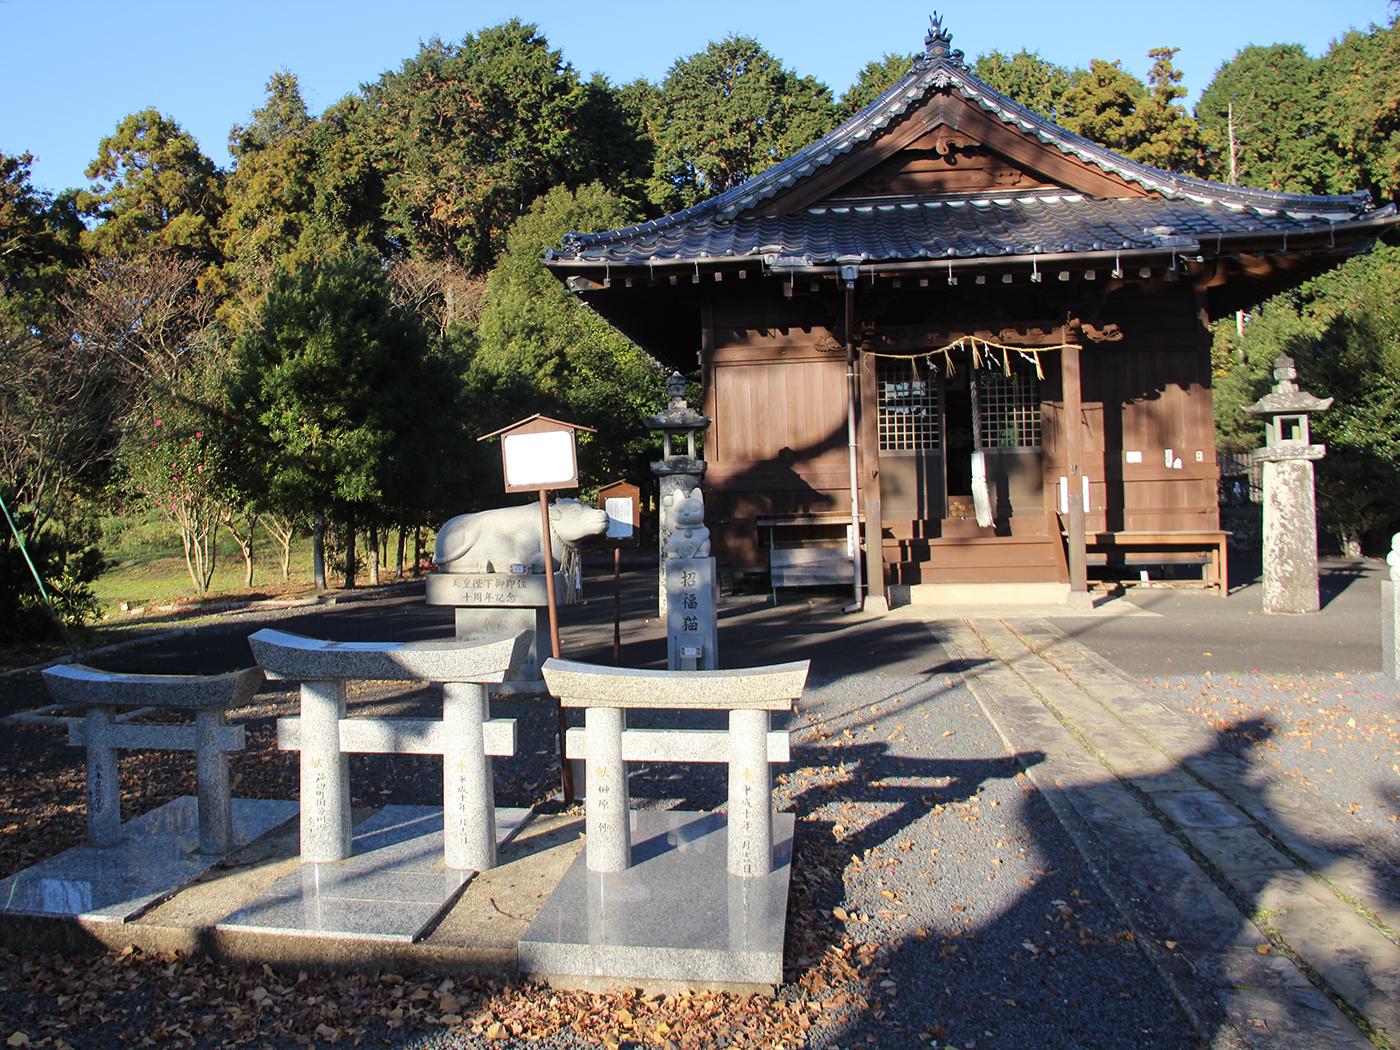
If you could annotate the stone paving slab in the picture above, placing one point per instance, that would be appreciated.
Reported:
(156, 857)
(1300, 827)
(1355, 958)
(1356, 961)
(1270, 1007)
(393, 887)
(676, 915)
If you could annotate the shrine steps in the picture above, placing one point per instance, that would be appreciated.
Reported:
(958, 551)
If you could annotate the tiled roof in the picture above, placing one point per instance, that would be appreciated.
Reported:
(1023, 224)
(980, 225)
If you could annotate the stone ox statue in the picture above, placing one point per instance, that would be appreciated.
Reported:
(494, 540)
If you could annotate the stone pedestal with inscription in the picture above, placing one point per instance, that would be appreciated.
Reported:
(495, 604)
(692, 631)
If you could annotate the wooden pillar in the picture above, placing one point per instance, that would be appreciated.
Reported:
(1073, 413)
(867, 425)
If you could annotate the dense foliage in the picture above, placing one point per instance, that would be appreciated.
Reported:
(323, 328)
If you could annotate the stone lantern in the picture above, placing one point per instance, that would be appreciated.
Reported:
(1290, 505)
(680, 475)
(687, 572)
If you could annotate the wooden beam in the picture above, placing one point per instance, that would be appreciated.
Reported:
(1073, 410)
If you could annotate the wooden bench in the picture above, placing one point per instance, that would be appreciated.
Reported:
(805, 566)
(1215, 571)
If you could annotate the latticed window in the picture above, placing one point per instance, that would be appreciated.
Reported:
(1010, 408)
(910, 412)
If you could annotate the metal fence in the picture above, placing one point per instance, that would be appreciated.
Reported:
(1241, 479)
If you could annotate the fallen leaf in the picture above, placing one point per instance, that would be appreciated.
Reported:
(1263, 949)
(841, 914)
(18, 1039)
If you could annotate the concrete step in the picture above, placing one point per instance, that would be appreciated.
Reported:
(962, 595)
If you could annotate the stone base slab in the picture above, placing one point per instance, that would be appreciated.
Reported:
(676, 917)
(393, 887)
(156, 857)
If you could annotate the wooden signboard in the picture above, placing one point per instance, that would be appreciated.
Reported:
(622, 502)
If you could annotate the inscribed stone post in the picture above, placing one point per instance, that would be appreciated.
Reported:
(692, 629)
(679, 475)
(494, 605)
(1390, 611)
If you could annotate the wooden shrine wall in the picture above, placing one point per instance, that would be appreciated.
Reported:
(1146, 394)
(775, 388)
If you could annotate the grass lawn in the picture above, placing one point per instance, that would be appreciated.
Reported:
(157, 576)
(146, 572)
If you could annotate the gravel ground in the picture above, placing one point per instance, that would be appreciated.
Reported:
(935, 900)
(986, 927)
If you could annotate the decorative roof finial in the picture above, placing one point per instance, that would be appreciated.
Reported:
(938, 44)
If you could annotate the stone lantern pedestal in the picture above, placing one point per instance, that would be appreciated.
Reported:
(1290, 505)
(689, 590)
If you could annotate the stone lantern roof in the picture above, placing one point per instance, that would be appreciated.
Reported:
(1286, 398)
(677, 416)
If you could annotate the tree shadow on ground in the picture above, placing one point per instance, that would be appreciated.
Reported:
(1078, 957)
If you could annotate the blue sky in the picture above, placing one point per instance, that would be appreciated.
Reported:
(74, 68)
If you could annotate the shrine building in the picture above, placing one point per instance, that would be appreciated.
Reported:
(981, 337)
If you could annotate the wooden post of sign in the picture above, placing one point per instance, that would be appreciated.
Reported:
(538, 454)
(547, 545)
(566, 776)
(617, 606)
(1072, 400)
(620, 532)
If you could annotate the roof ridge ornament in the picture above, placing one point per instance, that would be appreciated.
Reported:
(938, 44)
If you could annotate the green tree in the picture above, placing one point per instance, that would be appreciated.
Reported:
(178, 468)
(1168, 136)
(67, 560)
(873, 80)
(1100, 104)
(1261, 121)
(1360, 78)
(282, 116)
(152, 188)
(301, 189)
(1108, 105)
(615, 146)
(727, 113)
(55, 413)
(468, 134)
(38, 244)
(542, 350)
(1035, 82)
(1343, 330)
(317, 384)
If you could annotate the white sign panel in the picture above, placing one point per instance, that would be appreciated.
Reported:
(619, 512)
(539, 460)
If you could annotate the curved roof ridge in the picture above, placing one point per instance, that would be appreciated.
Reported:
(938, 71)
